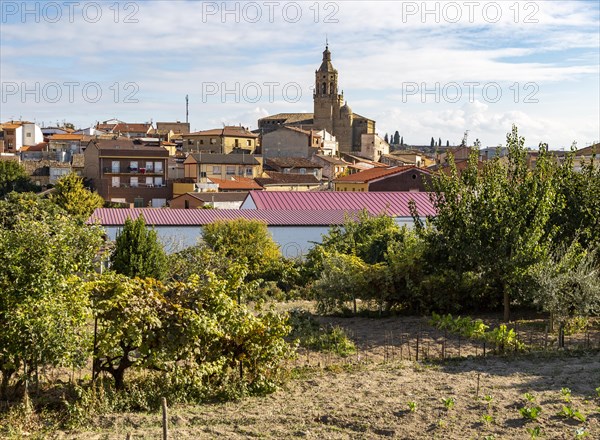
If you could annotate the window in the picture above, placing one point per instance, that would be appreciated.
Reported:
(149, 181)
(230, 170)
(28, 135)
(236, 143)
(149, 167)
(287, 170)
(133, 165)
(201, 141)
(248, 143)
(158, 167)
(134, 182)
(213, 141)
(249, 171)
(216, 169)
(116, 181)
(186, 204)
(302, 170)
(116, 166)
(158, 181)
(138, 202)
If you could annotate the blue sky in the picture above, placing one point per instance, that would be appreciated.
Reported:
(542, 57)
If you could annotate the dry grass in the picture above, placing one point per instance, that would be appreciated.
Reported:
(366, 396)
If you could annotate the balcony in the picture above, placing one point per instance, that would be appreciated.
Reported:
(133, 171)
(140, 185)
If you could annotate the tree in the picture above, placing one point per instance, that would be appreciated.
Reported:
(580, 192)
(367, 237)
(568, 285)
(343, 279)
(493, 224)
(386, 138)
(73, 197)
(246, 242)
(138, 252)
(397, 138)
(14, 178)
(189, 331)
(432, 142)
(402, 141)
(439, 142)
(447, 143)
(43, 308)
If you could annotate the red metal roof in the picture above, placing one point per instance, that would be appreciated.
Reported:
(392, 203)
(199, 217)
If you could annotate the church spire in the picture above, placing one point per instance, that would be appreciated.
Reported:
(326, 65)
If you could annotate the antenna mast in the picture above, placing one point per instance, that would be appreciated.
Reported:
(187, 103)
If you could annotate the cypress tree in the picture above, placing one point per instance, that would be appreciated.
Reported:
(138, 253)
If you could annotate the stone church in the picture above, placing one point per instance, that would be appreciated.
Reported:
(330, 113)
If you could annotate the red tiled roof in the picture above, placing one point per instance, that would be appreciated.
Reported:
(42, 146)
(66, 137)
(236, 183)
(132, 128)
(374, 173)
(393, 203)
(230, 131)
(199, 217)
(287, 179)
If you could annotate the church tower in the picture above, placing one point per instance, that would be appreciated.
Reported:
(327, 102)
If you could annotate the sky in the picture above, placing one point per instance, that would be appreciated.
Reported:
(424, 68)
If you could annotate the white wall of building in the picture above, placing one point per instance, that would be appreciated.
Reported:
(32, 135)
(294, 241)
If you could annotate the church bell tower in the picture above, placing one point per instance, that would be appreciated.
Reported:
(327, 101)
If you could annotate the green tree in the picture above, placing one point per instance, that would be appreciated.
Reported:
(43, 308)
(138, 252)
(367, 237)
(344, 279)
(406, 270)
(432, 142)
(246, 242)
(386, 138)
(397, 138)
(447, 143)
(579, 220)
(189, 331)
(493, 223)
(401, 141)
(14, 178)
(439, 142)
(568, 285)
(73, 197)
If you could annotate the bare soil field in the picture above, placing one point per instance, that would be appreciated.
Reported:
(366, 396)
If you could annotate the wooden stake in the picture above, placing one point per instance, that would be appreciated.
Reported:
(164, 419)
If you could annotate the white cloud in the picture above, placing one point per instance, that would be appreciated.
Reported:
(173, 50)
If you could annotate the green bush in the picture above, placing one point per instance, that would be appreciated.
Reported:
(310, 334)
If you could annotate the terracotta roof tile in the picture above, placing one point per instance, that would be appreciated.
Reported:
(66, 137)
(287, 179)
(229, 131)
(236, 183)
